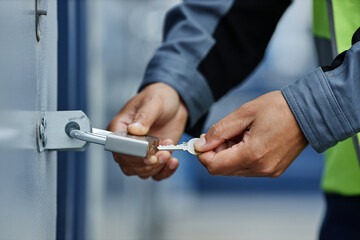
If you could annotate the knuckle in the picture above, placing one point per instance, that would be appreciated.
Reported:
(276, 174)
(157, 178)
(216, 129)
(156, 99)
(150, 170)
(153, 100)
(117, 157)
(162, 175)
(140, 116)
(213, 170)
(144, 177)
(258, 153)
(127, 172)
(268, 171)
(246, 108)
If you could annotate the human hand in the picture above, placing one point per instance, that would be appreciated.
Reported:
(259, 139)
(156, 111)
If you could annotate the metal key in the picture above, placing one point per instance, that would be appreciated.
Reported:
(185, 146)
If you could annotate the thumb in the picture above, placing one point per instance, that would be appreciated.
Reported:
(227, 128)
(144, 117)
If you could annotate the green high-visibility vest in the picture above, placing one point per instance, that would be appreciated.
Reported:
(335, 22)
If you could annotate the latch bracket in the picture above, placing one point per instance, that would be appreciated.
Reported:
(50, 130)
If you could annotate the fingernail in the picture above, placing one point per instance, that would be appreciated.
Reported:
(173, 165)
(150, 161)
(137, 125)
(201, 142)
(162, 159)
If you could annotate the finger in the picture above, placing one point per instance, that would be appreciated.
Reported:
(123, 118)
(221, 147)
(224, 162)
(160, 157)
(144, 177)
(130, 161)
(164, 156)
(149, 111)
(206, 158)
(224, 145)
(151, 160)
(144, 172)
(168, 170)
(232, 125)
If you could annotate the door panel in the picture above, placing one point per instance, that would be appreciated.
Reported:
(28, 84)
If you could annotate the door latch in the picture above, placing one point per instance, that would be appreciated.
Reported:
(72, 131)
(38, 13)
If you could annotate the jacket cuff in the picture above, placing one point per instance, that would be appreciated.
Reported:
(185, 79)
(317, 111)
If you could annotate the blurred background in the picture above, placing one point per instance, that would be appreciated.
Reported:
(122, 36)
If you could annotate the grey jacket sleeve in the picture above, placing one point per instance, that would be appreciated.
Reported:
(210, 46)
(326, 102)
(187, 39)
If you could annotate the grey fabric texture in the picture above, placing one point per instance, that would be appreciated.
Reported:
(327, 104)
(187, 40)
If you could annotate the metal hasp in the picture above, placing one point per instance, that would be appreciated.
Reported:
(72, 131)
(51, 133)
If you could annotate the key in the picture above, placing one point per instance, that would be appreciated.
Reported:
(185, 146)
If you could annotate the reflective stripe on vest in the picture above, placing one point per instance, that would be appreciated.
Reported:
(335, 21)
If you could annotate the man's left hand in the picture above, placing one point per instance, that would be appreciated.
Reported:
(259, 139)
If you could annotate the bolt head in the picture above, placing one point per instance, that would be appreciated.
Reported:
(41, 130)
(45, 140)
(43, 122)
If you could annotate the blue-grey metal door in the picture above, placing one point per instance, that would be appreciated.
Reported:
(28, 84)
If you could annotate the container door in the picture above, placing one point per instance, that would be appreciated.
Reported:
(28, 84)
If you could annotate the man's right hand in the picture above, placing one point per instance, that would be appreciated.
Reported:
(156, 111)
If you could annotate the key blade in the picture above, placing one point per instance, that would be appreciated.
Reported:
(172, 147)
(186, 146)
